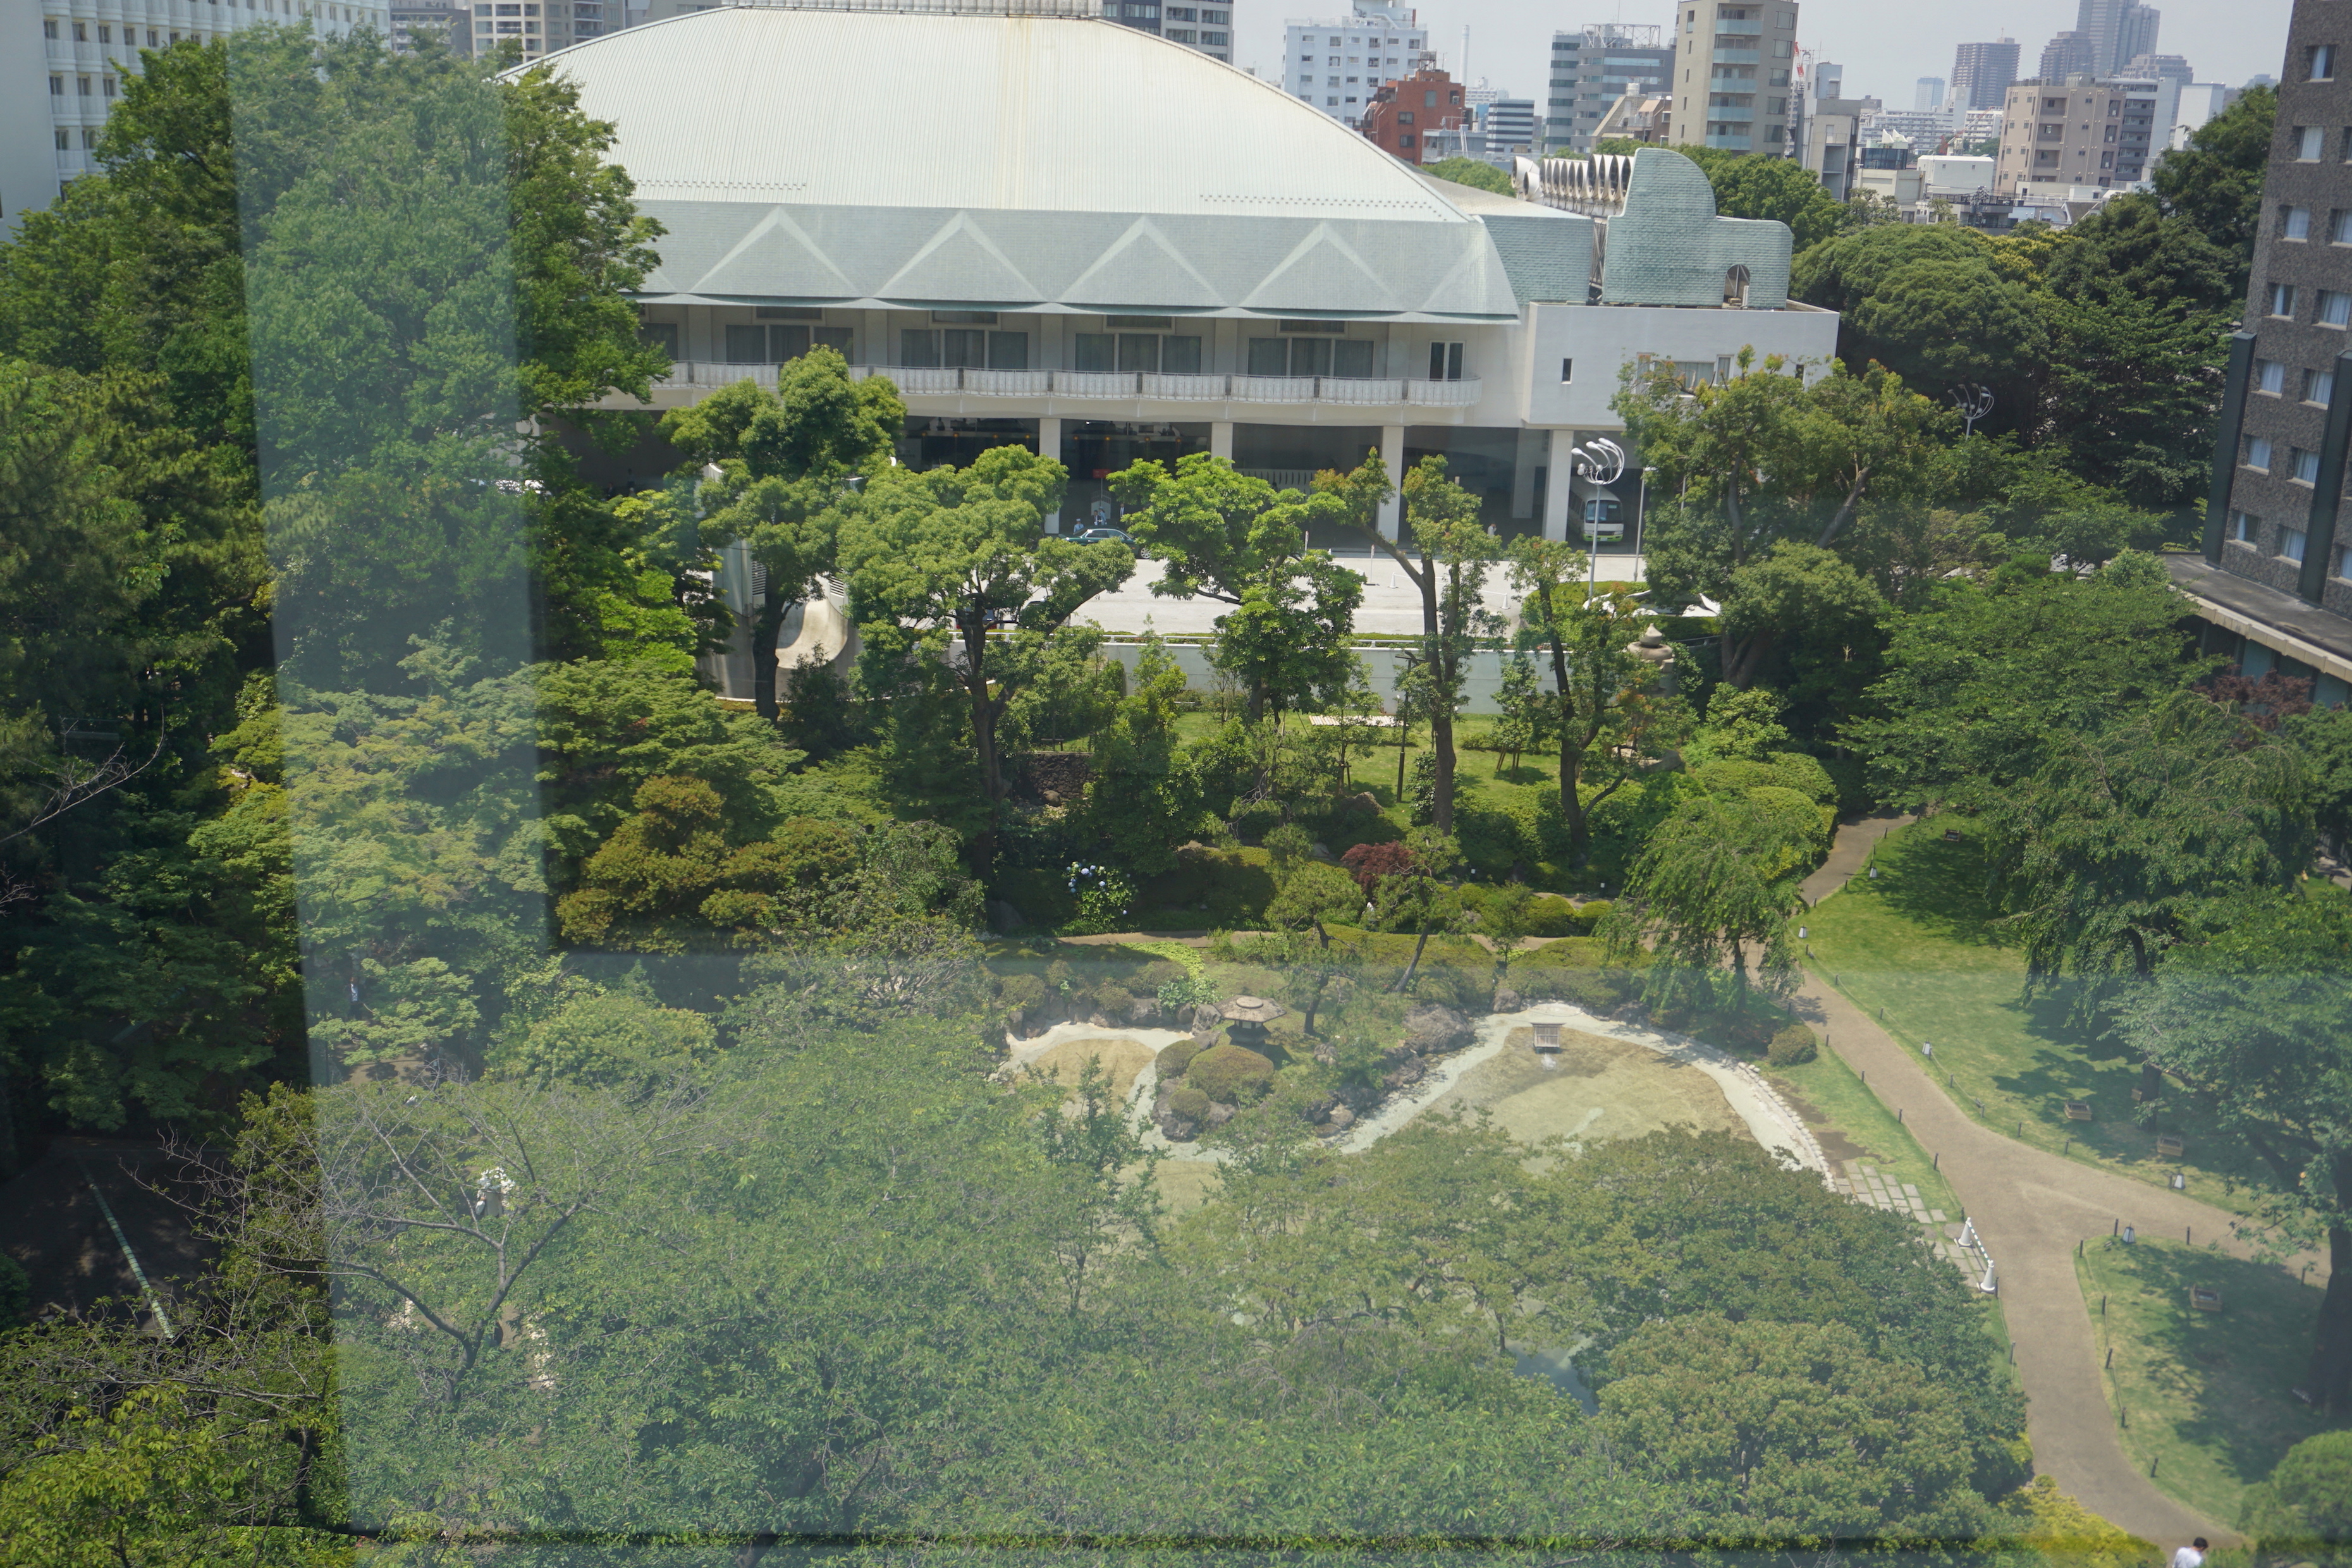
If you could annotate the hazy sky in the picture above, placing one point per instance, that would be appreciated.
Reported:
(1885, 45)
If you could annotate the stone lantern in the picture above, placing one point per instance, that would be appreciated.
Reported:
(1651, 650)
(1247, 1018)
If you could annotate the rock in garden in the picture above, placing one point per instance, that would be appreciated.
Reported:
(1431, 1028)
(1507, 1001)
(1366, 803)
(1342, 1118)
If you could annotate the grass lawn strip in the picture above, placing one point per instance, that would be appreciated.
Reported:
(1917, 948)
(2203, 1398)
(1851, 1124)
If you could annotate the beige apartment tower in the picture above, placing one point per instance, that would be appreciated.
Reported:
(1733, 64)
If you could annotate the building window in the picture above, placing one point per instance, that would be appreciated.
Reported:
(49, 27)
(81, 32)
(2269, 376)
(2318, 385)
(2320, 62)
(2295, 223)
(106, 85)
(2243, 525)
(2291, 542)
(105, 32)
(65, 142)
(2340, 230)
(2308, 141)
(2335, 308)
(2283, 299)
(2303, 466)
(2258, 452)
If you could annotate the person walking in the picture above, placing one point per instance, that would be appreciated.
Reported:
(2191, 1556)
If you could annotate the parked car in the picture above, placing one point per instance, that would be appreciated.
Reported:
(1097, 535)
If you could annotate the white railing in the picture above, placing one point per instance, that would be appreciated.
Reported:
(1121, 385)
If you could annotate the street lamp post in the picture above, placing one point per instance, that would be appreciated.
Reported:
(1600, 462)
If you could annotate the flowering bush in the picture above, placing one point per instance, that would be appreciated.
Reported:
(1104, 895)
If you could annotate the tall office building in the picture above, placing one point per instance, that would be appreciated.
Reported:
(1983, 74)
(2069, 54)
(1829, 80)
(1509, 124)
(2118, 30)
(1338, 65)
(1929, 94)
(58, 83)
(1595, 67)
(1733, 65)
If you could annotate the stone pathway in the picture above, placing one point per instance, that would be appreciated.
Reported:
(1855, 842)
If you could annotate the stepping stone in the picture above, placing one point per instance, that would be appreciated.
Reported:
(1936, 1215)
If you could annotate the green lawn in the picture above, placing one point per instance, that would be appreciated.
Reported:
(2202, 1397)
(1915, 947)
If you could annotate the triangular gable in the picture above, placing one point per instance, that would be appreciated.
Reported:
(776, 257)
(962, 264)
(1143, 269)
(1321, 274)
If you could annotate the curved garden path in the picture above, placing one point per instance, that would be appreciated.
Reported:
(2031, 1208)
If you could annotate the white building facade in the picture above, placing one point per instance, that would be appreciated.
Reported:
(1337, 65)
(63, 64)
(1288, 296)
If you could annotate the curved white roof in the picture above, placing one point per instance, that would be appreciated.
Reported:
(885, 159)
(1041, 114)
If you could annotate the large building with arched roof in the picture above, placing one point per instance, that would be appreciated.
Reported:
(1085, 239)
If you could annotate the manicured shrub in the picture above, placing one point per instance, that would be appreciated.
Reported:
(1367, 863)
(1230, 1073)
(1115, 1002)
(1019, 993)
(1589, 917)
(1189, 1103)
(1173, 1059)
(1792, 1047)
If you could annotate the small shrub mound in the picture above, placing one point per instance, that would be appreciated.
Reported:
(1792, 1047)
(1189, 1103)
(1231, 1074)
(1173, 1059)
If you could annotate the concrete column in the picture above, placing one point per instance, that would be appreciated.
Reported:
(1393, 454)
(1559, 497)
(1221, 439)
(1528, 457)
(1049, 444)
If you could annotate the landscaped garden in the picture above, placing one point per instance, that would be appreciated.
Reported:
(2204, 1399)
(1921, 947)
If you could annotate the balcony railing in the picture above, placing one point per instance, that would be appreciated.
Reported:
(1121, 385)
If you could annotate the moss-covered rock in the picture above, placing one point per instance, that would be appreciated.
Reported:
(1230, 1074)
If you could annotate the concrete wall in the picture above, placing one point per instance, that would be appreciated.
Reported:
(1598, 339)
(1485, 672)
(1668, 247)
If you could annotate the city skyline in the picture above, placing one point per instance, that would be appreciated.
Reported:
(1884, 49)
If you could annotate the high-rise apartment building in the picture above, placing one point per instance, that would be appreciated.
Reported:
(1593, 68)
(1338, 65)
(1983, 74)
(1829, 80)
(63, 64)
(1929, 95)
(1733, 65)
(2083, 134)
(2274, 585)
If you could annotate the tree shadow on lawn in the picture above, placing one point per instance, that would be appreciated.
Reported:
(1940, 885)
(2223, 1380)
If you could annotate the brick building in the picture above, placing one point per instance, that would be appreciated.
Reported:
(2275, 582)
(1402, 113)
